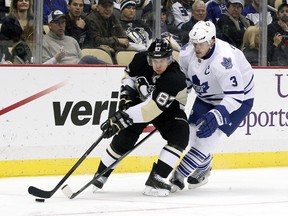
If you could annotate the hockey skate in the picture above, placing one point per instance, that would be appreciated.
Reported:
(177, 182)
(98, 184)
(198, 178)
(155, 185)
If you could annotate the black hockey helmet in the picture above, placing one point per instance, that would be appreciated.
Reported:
(160, 48)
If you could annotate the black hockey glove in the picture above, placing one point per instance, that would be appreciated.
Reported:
(127, 97)
(119, 121)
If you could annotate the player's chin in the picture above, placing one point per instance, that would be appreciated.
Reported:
(159, 71)
(199, 55)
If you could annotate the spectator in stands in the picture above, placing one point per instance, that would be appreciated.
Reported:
(167, 5)
(214, 9)
(19, 22)
(17, 28)
(77, 24)
(166, 24)
(138, 33)
(198, 13)
(145, 7)
(170, 31)
(59, 48)
(276, 5)
(4, 9)
(52, 5)
(250, 46)
(143, 10)
(232, 25)
(181, 11)
(87, 7)
(106, 30)
(251, 12)
(277, 39)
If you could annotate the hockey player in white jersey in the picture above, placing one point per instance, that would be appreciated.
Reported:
(223, 81)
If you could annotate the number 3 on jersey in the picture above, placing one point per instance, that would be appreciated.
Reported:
(234, 81)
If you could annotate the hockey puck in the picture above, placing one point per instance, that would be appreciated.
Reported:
(39, 200)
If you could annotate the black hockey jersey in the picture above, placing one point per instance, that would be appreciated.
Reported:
(166, 92)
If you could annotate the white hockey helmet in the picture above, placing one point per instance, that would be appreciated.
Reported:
(202, 31)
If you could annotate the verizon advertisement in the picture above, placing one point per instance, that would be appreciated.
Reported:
(55, 112)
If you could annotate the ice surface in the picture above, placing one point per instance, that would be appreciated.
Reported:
(239, 192)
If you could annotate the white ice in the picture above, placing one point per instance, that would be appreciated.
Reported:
(238, 192)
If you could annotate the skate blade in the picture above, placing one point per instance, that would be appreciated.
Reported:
(150, 191)
(95, 189)
(174, 188)
(194, 186)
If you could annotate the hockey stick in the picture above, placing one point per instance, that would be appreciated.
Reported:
(47, 194)
(69, 193)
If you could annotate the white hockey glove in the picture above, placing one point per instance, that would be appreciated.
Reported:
(210, 121)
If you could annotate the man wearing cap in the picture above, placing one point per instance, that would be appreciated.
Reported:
(60, 48)
(106, 30)
(231, 24)
(138, 33)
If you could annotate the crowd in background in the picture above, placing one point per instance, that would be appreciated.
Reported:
(119, 25)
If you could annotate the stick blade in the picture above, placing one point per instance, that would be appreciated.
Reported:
(66, 190)
(39, 193)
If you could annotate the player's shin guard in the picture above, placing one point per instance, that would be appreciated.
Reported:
(193, 159)
(108, 158)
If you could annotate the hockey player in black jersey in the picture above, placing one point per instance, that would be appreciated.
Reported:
(153, 91)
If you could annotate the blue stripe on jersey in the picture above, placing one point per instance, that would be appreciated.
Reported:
(252, 78)
(206, 96)
(233, 92)
(214, 99)
(239, 101)
(248, 91)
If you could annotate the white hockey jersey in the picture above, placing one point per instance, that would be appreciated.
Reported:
(181, 14)
(224, 78)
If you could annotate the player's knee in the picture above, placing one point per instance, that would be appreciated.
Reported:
(122, 144)
(176, 147)
(181, 139)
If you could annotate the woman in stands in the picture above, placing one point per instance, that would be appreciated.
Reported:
(17, 27)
